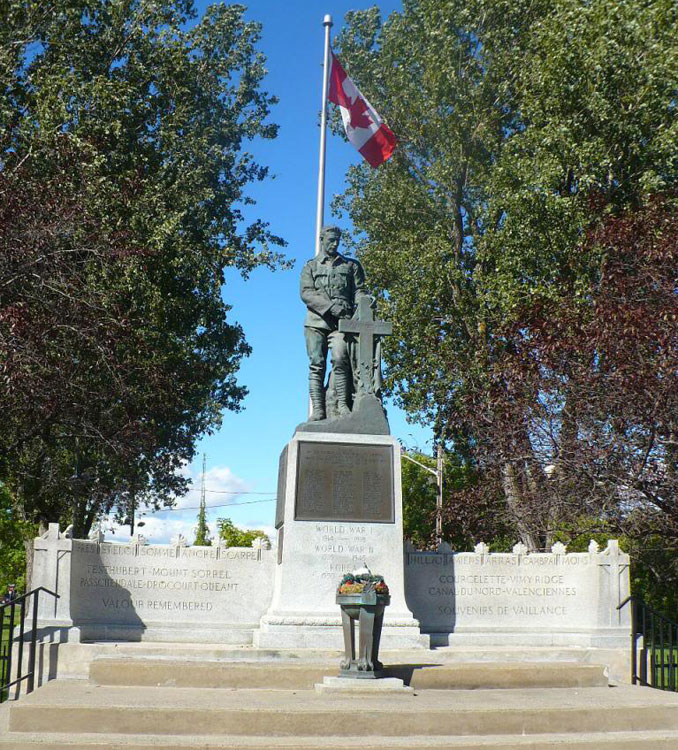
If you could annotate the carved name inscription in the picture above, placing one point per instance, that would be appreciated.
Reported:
(128, 583)
(341, 548)
(448, 591)
(344, 482)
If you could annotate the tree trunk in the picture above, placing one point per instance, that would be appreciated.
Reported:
(516, 503)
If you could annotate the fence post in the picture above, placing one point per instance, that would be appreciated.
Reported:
(10, 639)
(20, 655)
(634, 642)
(31, 653)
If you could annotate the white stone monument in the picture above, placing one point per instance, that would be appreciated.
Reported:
(339, 507)
(284, 598)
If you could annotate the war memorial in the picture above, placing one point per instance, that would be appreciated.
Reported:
(169, 645)
(339, 507)
(174, 646)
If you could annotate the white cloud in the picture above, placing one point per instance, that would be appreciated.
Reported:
(160, 528)
(222, 487)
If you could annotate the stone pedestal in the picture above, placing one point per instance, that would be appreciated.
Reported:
(367, 610)
(339, 507)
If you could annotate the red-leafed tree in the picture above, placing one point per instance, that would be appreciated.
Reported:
(589, 388)
(122, 179)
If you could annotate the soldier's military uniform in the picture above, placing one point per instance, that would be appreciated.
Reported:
(331, 287)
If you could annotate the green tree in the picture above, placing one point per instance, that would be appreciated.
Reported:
(466, 519)
(202, 532)
(419, 501)
(438, 71)
(14, 532)
(122, 179)
(237, 537)
(523, 126)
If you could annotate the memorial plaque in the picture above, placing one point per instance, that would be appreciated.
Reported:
(344, 482)
(282, 480)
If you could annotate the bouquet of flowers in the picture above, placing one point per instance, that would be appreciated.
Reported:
(361, 581)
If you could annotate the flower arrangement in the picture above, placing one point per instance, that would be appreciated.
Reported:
(361, 581)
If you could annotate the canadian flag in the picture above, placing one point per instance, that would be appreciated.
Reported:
(364, 127)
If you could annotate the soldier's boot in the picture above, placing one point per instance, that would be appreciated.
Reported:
(341, 389)
(317, 391)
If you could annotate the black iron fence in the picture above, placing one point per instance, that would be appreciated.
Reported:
(654, 647)
(13, 641)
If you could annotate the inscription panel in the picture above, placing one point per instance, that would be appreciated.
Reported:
(344, 482)
(449, 592)
(129, 584)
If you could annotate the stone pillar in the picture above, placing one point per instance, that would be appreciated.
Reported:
(339, 507)
(52, 570)
(613, 565)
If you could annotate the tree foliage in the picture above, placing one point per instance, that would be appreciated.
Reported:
(463, 523)
(235, 536)
(521, 241)
(419, 501)
(122, 179)
(14, 532)
(202, 532)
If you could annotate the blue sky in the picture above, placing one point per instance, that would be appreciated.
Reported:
(242, 457)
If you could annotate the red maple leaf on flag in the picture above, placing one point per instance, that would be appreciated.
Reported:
(359, 114)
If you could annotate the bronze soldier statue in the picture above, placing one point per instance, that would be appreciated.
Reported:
(331, 287)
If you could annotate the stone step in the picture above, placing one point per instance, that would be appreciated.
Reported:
(642, 740)
(72, 660)
(79, 707)
(420, 676)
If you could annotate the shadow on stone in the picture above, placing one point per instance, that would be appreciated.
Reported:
(405, 672)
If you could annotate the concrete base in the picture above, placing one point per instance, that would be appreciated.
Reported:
(237, 635)
(56, 631)
(75, 708)
(348, 686)
(601, 638)
(177, 696)
(73, 660)
(279, 675)
(303, 632)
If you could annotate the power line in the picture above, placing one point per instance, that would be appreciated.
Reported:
(197, 507)
(235, 492)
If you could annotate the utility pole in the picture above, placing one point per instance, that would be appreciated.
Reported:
(132, 511)
(202, 486)
(439, 501)
(438, 474)
(202, 537)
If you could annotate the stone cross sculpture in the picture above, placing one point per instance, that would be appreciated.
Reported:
(368, 358)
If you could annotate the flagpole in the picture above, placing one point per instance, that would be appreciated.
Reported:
(327, 23)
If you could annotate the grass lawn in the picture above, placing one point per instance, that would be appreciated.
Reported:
(666, 677)
(4, 645)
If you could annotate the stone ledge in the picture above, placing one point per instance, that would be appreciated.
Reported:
(348, 686)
